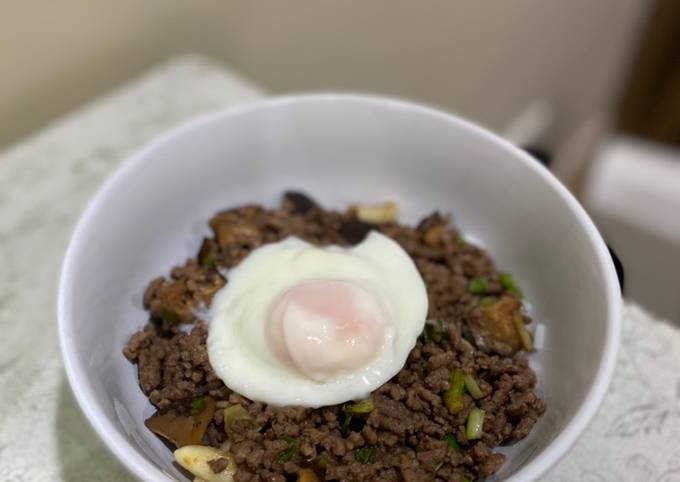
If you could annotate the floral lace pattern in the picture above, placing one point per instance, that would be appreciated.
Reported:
(636, 434)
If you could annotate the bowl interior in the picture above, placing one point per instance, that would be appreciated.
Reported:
(152, 214)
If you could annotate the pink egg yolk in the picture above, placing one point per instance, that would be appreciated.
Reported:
(326, 328)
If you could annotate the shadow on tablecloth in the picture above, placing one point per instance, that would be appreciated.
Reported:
(82, 455)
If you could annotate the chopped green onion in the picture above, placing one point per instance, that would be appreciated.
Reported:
(443, 327)
(365, 454)
(462, 242)
(453, 397)
(207, 261)
(291, 451)
(197, 405)
(429, 333)
(472, 387)
(346, 422)
(524, 335)
(364, 406)
(438, 466)
(324, 461)
(233, 413)
(509, 284)
(488, 301)
(475, 424)
(451, 441)
(477, 286)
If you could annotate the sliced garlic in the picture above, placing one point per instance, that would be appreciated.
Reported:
(376, 213)
(196, 458)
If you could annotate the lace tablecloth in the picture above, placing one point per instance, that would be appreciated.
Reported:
(45, 182)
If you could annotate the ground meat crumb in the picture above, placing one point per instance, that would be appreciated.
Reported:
(410, 435)
(219, 464)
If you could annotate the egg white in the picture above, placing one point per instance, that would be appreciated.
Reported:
(237, 340)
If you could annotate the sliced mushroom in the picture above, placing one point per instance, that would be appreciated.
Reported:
(493, 327)
(238, 233)
(183, 426)
(307, 475)
(432, 236)
(433, 228)
(354, 231)
(432, 219)
(200, 460)
(169, 303)
(298, 202)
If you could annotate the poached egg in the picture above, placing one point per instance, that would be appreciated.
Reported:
(299, 324)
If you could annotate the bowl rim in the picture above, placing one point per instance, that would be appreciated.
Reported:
(142, 468)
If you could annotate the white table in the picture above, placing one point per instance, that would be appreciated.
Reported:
(45, 182)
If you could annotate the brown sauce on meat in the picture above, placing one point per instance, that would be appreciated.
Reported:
(408, 434)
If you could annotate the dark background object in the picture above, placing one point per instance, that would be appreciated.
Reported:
(619, 268)
(650, 106)
(543, 156)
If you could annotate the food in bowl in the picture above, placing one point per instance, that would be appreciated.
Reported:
(352, 347)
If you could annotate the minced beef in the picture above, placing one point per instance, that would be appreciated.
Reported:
(410, 434)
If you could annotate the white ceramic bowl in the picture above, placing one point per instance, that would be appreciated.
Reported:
(339, 148)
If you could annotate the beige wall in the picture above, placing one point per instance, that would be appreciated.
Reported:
(485, 59)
